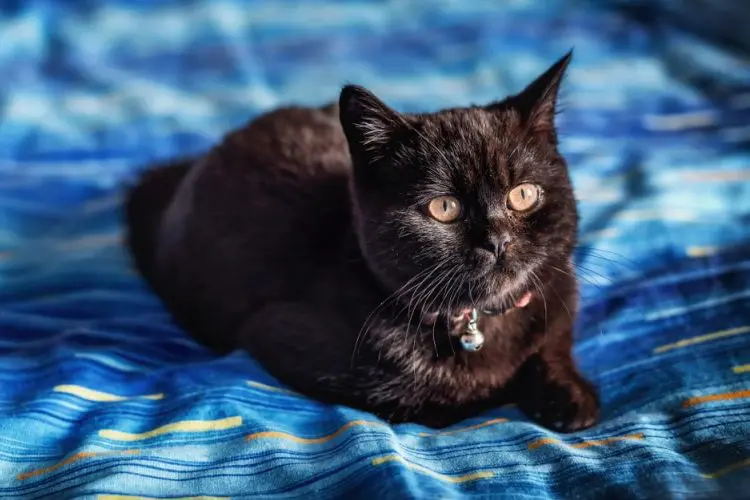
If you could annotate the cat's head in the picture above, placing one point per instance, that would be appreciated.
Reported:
(463, 207)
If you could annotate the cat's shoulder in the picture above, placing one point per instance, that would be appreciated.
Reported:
(288, 161)
(291, 126)
(300, 142)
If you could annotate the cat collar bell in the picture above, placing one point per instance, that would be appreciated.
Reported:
(472, 339)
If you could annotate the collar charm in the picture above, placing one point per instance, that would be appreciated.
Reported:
(472, 339)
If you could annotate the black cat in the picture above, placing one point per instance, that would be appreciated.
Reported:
(346, 247)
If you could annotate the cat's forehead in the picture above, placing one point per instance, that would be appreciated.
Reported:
(475, 141)
(470, 123)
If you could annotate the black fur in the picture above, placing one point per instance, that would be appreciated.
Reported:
(304, 238)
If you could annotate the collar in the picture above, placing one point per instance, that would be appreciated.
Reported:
(466, 324)
(465, 314)
(519, 304)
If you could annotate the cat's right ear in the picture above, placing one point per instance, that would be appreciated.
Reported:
(538, 101)
(368, 123)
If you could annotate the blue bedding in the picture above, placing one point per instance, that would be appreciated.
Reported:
(101, 396)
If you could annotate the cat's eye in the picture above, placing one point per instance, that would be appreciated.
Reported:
(524, 197)
(444, 208)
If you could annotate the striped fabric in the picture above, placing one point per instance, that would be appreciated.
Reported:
(102, 397)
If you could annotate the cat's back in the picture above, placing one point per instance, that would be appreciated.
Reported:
(277, 188)
(289, 143)
(283, 172)
(259, 215)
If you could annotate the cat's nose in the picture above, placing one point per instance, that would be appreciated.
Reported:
(497, 243)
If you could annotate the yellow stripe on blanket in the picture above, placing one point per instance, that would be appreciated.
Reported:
(697, 251)
(98, 396)
(716, 175)
(464, 429)
(318, 440)
(586, 444)
(726, 470)
(266, 387)
(703, 338)
(710, 398)
(473, 476)
(184, 426)
(73, 459)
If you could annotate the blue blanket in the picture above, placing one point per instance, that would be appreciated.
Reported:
(101, 396)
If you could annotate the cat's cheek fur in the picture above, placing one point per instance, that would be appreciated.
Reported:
(406, 244)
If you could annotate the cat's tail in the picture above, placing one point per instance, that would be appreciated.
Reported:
(145, 205)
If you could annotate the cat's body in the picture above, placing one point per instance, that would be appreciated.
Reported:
(285, 240)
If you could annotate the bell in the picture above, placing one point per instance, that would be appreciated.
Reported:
(472, 341)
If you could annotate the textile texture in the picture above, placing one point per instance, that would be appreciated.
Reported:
(101, 396)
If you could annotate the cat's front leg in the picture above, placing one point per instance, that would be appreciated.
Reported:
(549, 389)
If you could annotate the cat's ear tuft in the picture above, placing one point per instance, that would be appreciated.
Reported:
(538, 101)
(367, 122)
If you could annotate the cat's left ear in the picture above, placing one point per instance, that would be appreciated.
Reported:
(368, 123)
(538, 101)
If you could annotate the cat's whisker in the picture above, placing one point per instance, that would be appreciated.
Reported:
(413, 290)
(579, 276)
(594, 274)
(413, 304)
(586, 279)
(419, 299)
(540, 289)
(418, 294)
(604, 260)
(448, 287)
(393, 296)
(428, 307)
(593, 252)
(471, 295)
(562, 302)
(454, 295)
(440, 281)
(437, 291)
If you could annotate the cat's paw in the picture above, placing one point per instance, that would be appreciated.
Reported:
(566, 405)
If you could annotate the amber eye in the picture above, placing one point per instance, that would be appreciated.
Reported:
(524, 197)
(444, 208)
